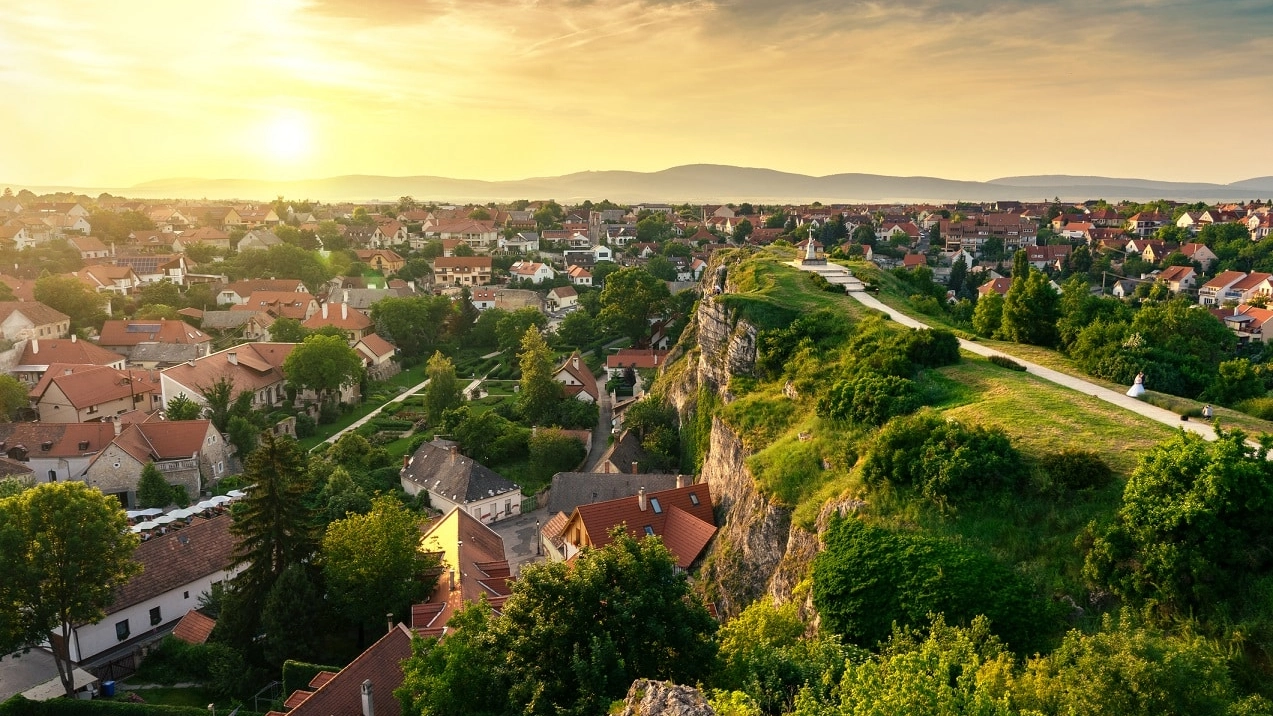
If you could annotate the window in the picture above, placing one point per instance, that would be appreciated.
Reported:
(121, 630)
(154, 617)
(694, 499)
(185, 595)
(52, 475)
(508, 507)
(654, 503)
(649, 530)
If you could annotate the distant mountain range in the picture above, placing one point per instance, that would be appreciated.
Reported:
(699, 183)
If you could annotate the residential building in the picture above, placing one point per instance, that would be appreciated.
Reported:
(1178, 278)
(22, 320)
(454, 480)
(1042, 257)
(998, 285)
(188, 453)
(363, 688)
(176, 568)
(682, 517)
(1146, 223)
(253, 367)
(1220, 289)
(90, 247)
(462, 270)
(354, 324)
(38, 355)
(240, 291)
(383, 260)
(377, 356)
(281, 304)
(481, 236)
(1200, 254)
(122, 336)
(634, 359)
(258, 239)
(532, 271)
(563, 297)
(473, 565)
(522, 242)
(85, 393)
(55, 451)
(579, 276)
(106, 278)
(579, 382)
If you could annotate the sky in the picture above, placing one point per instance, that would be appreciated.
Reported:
(111, 94)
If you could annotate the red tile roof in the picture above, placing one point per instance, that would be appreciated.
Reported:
(381, 664)
(130, 333)
(67, 350)
(88, 385)
(474, 554)
(685, 539)
(194, 628)
(178, 558)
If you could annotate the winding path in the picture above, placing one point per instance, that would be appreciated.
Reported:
(1110, 396)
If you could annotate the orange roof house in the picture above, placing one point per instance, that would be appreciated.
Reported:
(473, 566)
(578, 380)
(682, 517)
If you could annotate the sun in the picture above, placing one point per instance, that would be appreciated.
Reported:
(287, 136)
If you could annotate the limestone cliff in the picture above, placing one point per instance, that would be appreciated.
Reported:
(655, 698)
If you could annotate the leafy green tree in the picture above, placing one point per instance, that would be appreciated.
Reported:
(870, 399)
(163, 292)
(744, 229)
(181, 407)
(341, 496)
(463, 250)
(619, 613)
(601, 270)
(324, 364)
(1191, 533)
(552, 451)
(992, 249)
(274, 525)
(958, 272)
(373, 563)
(13, 397)
(443, 391)
(1236, 380)
(864, 235)
(292, 617)
(988, 315)
(1031, 308)
(288, 330)
(416, 325)
(65, 549)
(661, 268)
(870, 578)
(152, 489)
(512, 327)
(72, 297)
(629, 300)
(539, 392)
(577, 329)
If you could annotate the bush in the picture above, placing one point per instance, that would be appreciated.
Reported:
(930, 348)
(942, 459)
(305, 425)
(1006, 362)
(19, 706)
(298, 674)
(871, 399)
(1073, 469)
(1257, 407)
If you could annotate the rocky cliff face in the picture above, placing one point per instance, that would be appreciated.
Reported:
(655, 698)
(758, 551)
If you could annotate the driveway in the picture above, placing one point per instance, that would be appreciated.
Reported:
(1110, 396)
(519, 535)
(601, 433)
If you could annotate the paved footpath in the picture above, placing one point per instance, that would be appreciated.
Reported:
(1110, 396)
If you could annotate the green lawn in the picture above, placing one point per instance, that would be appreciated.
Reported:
(769, 293)
(192, 697)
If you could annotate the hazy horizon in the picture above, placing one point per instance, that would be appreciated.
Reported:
(119, 94)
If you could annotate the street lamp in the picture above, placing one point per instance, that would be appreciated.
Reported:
(539, 540)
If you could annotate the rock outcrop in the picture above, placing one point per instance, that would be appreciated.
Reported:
(655, 698)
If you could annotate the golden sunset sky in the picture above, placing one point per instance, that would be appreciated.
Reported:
(109, 94)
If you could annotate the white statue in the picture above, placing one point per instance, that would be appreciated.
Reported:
(810, 253)
(1138, 387)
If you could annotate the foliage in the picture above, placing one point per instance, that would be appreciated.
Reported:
(324, 364)
(871, 399)
(181, 407)
(1192, 531)
(820, 330)
(943, 460)
(1236, 380)
(577, 329)
(540, 392)
(988, 316)
(292, 616)
(632, 297)
(373, 563)
(869, 578)
(288, 330)
(1073, 469)
(65, 549)
(415, 324)
(13, 397)
(661, 268)
(512, 327)
(618, 613)
(20, 706)
(273, 525)
(443, 391)
(1031, 308)
(152, 489)
(489, 437)
(552, 451)
(929, 348)
(72, 297)
(298, 674)
(1005, 362)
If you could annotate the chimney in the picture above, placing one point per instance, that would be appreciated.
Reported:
(680, 481)
(324, 311)
(232, 357)
(641, 499)
(389, 618)
(346, 296)
(344, 311)
(634, 467)
(454, 451)
(35, 345)
(368, 704)
(73, 337)
(452, 579)
(574, 358)
(1236, 312)
(406, 461)
(118, 427)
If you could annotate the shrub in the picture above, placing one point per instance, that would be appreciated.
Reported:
(298, 674)
(1006, 362)
(871, 399)
(1257, 407)
(1073, 469)
(942, 459)
(930, 348)
(305, 425)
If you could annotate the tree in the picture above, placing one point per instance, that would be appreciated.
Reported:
(324, 364)
(577, 329)
(163, 292)
(988, 315)
(552, 451)
(743, 231)
(539, 391)
(958, 272)
(443, 391)
(1031, 308)
(619, 613)
(373, 563)
(1191, 534)
(629, 300)
(415, 324)
(512, 327)
(463, 250)
(661, 268)
(288, 330)
(870, 399)
(273, 525)
(292, 617)
(65, 548)
(181, 407)
(152, 489)
(13, 397)
(72, 297)
(1236, 380)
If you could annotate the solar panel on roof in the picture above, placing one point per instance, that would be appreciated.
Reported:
(142, 328)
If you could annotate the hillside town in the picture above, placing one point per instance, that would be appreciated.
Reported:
(493, 377)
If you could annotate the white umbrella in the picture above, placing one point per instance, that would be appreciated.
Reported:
(151, 512)
(135, 528)
(165, 519)
(205, 505)
(134, 514)
(220, 500)
(181, 514)
(236, 494)
(145, 526)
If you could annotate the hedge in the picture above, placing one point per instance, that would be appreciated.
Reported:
(298, 674)
(19, 706)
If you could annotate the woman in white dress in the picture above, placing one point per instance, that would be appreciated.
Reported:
(1138, 388)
